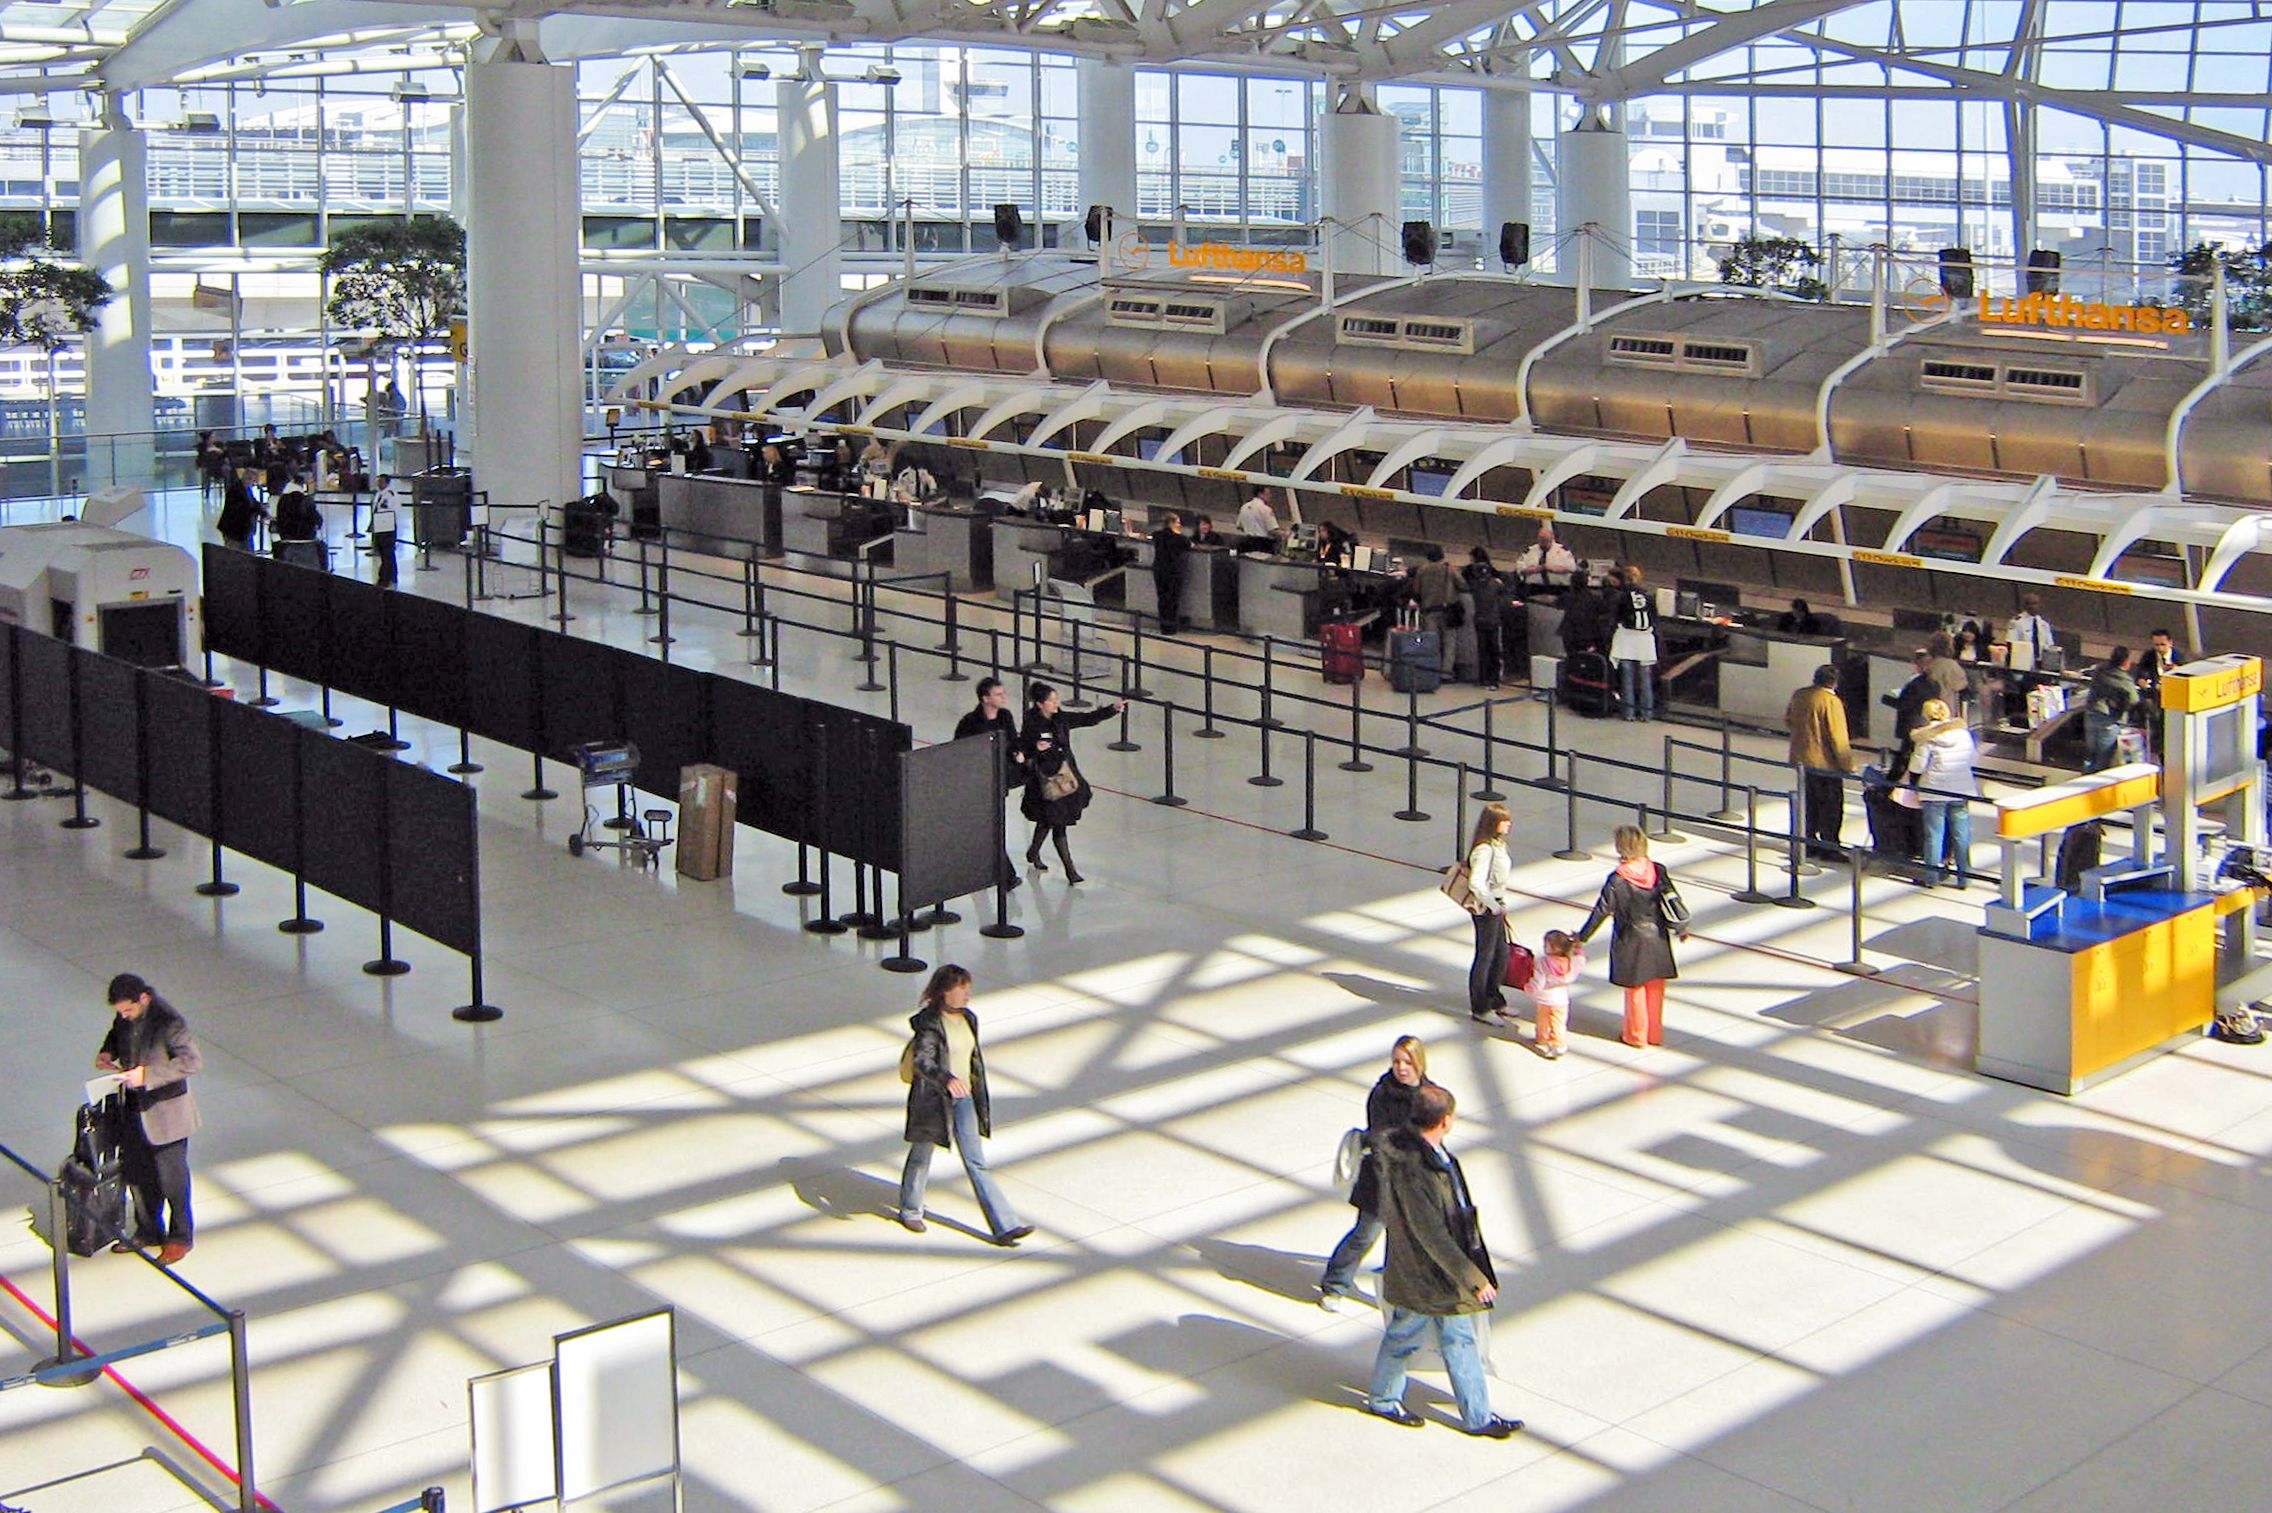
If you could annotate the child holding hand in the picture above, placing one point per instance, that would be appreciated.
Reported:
(1560, 959)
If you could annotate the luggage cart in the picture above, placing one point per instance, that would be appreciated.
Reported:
(613, 764)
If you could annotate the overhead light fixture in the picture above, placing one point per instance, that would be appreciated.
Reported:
(406, 93)
(33, 120)
(756, 71)
(201, 123)
(881, 73)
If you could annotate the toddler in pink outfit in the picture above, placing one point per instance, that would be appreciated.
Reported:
(1560, 959)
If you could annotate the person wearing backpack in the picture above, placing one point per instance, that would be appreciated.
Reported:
(945, 1073)
(1644, 912)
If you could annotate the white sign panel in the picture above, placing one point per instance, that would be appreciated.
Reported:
(514, 1459)
(616, 1386)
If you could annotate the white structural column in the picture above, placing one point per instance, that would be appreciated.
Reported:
(1506, 165)
(524, 305)
(1597, 189)
(1107, 89)
(114, 240)
(811, 203)
(1361, 173)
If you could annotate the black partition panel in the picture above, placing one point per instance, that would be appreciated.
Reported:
(581, 700)
(232, 604)
(43, 683)
(257, 786)
(427, 644)
(293, 631)
(500, 661)
(8, 634)
(767, 739)
(110, 725)
(666, 714)
(343, 796)
(948, 799)
(180, 717)
(432, 836)
(862, 818)
(357, 649)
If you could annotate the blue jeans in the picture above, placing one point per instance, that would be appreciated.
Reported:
(1948, 838)
(1000, 1216)
(1455, 1338)
(2101, 734)
(1341, 1266)
(1637, 686)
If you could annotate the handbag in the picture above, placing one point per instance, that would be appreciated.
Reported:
(1521, 965)
(1459, 887)
(907, 1062)
(1061, 784)
(1347, 1157)
(1671, 906)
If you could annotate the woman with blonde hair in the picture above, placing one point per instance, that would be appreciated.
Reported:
(1387, 1107)
(1490, 893)
(1940, 767)
(1645, 911)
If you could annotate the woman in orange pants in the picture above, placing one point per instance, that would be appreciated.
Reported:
(1644, 911)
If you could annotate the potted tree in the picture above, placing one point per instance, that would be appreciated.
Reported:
(44, 302)
(1782, 263)
(402, 282)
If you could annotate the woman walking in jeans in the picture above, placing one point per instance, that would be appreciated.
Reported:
(1941, 766)
(947, 1105)
(1387, 1107)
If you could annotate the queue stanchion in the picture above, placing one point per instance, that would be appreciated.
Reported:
(864, 619)
(1136, 688)
(891, 680)
(1001, 929)
(80, 819)
(1167, 795)
(867, 917)
(1665, 831)
(954, 672)
(823, 922)
(646, 602)
(871, 685)
(465, 763)
(467, 559)
(1269, 661)
(753, 600)
(263, 699)
(804, 886)
(143, 850)
(1356, 762)
(1263, 779)
(216, 886)
(1411, 750)
(1124, 743)
(1412, 813)
(905, 961)
(1853, 965)
(560, 573)
(300, 923)
(1751, 893)
(1207, 730)
(1080, 699)
(773, 662)
(1553, 742)
(1726, 814)
(1459, 810)
(537, 793)
(1017, 633)
(1487, 793)
(1309, 830)
(994, 651)
(386, 963)
(1792, 898)
(1571, 851)
(662, 636)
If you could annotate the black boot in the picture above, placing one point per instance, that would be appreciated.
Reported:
(1065, 855)
(1033, 852)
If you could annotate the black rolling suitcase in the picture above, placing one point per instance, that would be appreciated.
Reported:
(96, 1206)
(1588, 687)
(1897, 832)
(1415, 658)
(583, 525)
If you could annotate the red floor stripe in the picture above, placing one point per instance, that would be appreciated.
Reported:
(196, 1445)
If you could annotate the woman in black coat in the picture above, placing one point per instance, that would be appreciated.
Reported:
(239, 513)
(1387, 1107)
(1644, 911)
(947, 1104)
(1052, 803)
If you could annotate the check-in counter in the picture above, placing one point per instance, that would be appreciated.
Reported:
(1761, 669)
(1060, 551)
(632, 487)
(1210, 586)
(822, 524)
(1279, 597)
(726, 517)
(948, 539)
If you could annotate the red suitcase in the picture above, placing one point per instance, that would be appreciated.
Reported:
(1342, 647)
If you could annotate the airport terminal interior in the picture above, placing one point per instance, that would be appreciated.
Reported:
(497, 411)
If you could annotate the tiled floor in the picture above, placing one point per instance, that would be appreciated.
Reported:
(1798, 1258)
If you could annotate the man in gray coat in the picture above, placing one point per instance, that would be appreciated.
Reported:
(150, 1048)
(1438, 1276)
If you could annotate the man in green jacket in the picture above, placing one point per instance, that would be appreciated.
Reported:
(1439, 1276)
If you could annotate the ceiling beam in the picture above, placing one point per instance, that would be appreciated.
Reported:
(186, 34)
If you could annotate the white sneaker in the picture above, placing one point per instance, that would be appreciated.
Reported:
(1336, 1302)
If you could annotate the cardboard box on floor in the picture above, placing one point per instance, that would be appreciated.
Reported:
(706, 801)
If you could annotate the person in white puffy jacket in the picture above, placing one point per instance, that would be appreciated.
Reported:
(1940, 766)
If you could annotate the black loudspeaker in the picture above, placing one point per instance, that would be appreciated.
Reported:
(1009, 225)
(1419, 242)
(1093, 226)
(1956, 272)
(1514, 243)
(2042, 272)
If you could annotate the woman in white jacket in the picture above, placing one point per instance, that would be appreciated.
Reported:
(1940, 764)
(1490, 882)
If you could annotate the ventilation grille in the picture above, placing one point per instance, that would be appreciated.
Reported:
(993, 301)
(1415, 333)
(1182, 313)
(1686, 355)
(2029, 382)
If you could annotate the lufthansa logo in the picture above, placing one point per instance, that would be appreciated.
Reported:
(1924, 300)
(1134, 251)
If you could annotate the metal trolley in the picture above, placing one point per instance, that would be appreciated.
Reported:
(613, 764)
